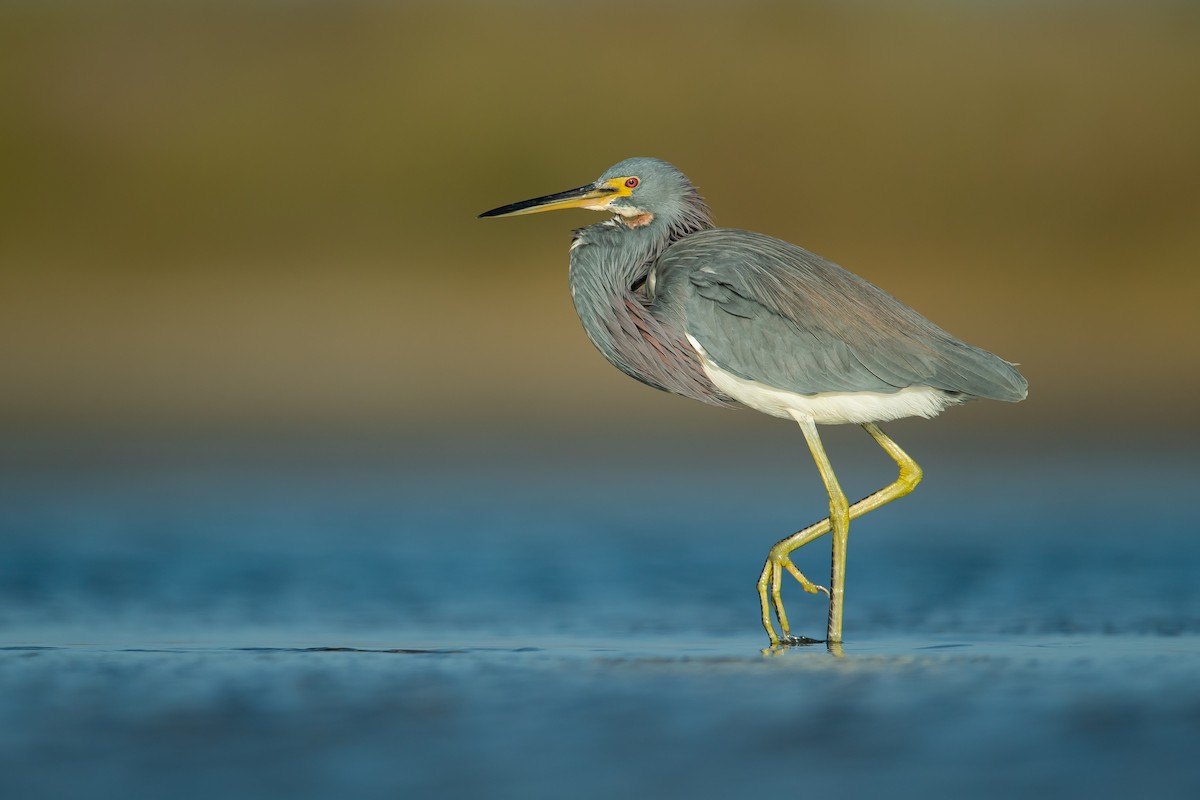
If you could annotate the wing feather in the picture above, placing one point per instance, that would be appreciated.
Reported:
(775, 313)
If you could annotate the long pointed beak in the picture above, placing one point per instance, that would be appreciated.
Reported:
(589, 196)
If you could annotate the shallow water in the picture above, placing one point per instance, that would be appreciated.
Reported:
(319, 630)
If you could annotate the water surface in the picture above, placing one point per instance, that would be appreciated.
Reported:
(207, 629)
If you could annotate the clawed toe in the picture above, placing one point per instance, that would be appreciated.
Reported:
(805, 583)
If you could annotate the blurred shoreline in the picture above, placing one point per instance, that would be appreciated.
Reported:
(220, 220)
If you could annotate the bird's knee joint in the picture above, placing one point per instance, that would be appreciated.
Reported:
(911, 475)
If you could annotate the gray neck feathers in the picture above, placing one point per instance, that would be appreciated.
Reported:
(609, 264)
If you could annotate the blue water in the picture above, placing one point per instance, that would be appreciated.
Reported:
(443, 624)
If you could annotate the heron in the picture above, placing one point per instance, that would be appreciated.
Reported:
(739, 319)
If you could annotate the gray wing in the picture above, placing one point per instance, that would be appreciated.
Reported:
(775, 313)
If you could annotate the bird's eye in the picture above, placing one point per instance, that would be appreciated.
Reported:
(632, 183)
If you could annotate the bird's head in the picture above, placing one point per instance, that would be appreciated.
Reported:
(636, 190)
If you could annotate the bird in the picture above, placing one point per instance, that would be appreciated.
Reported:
(734, 318)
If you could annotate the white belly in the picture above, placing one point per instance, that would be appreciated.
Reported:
(826, 408)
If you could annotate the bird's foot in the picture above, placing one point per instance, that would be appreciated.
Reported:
(769, 585)
(792, 640)
(788, 641)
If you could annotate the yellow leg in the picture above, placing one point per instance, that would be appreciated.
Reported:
(778, 558)
(839, 517)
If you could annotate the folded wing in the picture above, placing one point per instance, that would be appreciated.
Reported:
(774, 313)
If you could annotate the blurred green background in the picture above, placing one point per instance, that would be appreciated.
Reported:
(220, 216)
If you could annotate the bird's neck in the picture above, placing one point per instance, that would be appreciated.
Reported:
(615, 256)
(610, 259)
(609, 265)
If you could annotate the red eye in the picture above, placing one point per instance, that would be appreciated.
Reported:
(632, 183)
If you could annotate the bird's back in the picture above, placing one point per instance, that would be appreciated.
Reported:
(776, 314)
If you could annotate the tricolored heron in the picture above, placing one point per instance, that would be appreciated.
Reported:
(730, 317)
